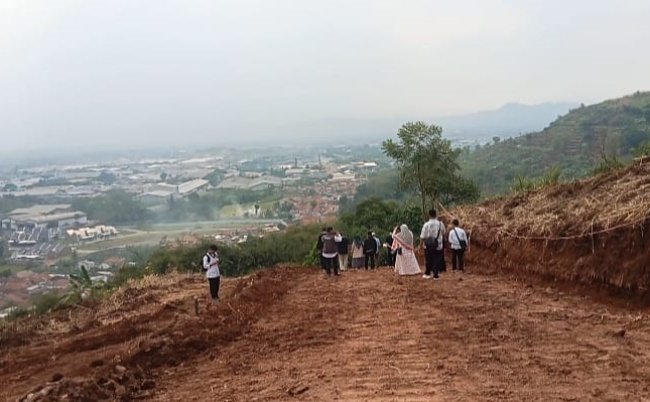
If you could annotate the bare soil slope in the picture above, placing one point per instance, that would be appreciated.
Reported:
(292, 334)
(592, 232)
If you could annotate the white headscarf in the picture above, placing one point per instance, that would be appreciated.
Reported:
(406, 234)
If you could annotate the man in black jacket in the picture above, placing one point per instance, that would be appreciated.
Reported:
(391, 256)
(370, 250)
(319, 248)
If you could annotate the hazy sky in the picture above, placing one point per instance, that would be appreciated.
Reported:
(116, 73)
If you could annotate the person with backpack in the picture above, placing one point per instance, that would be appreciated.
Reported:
(211, 268)
(458, 243)
(370, 250)
(330, 251)
(432, 234)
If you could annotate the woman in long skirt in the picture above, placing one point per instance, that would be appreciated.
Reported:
(357, 253)
(406, 263)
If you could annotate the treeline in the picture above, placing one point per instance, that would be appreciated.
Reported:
(114, 207)
(290, 247)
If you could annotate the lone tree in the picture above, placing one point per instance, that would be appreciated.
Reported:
(427, 163)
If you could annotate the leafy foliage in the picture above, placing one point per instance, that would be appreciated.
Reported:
(426, 162)
(574, 143)
(81, 287)
(642, 149)
(379, 216)
(293, 246)
(608, 164)
(115, 207)
(525, 184)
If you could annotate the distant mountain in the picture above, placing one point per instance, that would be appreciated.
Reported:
(574, 143)
(510, 120)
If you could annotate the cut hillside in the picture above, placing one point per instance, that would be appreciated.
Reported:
(574, 143)
(594, 231)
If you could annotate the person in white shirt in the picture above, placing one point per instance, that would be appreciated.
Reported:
(459, 242)
(432, 235)
(211, 268)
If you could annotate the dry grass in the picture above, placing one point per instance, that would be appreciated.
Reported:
(569, 210)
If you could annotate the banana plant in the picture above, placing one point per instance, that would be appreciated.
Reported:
(81, 287)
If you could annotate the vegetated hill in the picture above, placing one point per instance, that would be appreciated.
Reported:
(574, 143)
(510, 120)
(591, 232)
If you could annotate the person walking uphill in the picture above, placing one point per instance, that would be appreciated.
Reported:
(211, 268)
(458, 241)
(329, 253)
(432, 234)
(370, 250)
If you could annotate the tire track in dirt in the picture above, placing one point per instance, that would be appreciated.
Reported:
(367, 336)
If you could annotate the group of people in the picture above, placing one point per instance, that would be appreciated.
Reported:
(335, 249)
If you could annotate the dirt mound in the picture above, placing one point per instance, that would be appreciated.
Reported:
(114, 350)
(591, 232)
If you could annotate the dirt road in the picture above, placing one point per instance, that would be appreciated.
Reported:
(292, 334)
(367, 336)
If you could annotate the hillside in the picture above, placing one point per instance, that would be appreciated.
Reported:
(293, 335)
(574, 143)
(591, 232)
(510, 120)
(553, 307)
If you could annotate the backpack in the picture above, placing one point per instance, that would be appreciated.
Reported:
(329, 245)
(463, 243)
(201, 263)
(432, 242)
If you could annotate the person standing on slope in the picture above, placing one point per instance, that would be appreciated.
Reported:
(357, 253)
(378, 241)
(370, 250)
(406, 262)
(319, 248)
(432, 234)
(342, 246)
(211, 267)
(330, 252)
(458, 243)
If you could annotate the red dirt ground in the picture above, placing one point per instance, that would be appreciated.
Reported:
(291, 334)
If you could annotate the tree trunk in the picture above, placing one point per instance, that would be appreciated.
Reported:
(423, 196)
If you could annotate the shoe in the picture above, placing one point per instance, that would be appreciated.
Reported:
(435, 278)
(425, 276)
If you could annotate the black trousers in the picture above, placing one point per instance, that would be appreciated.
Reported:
(330, 264)
(214, 287)
(370, 260)
(457, 259)
(433, 259)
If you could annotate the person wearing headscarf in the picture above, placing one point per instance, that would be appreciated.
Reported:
(357, 253)
(406, 262)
